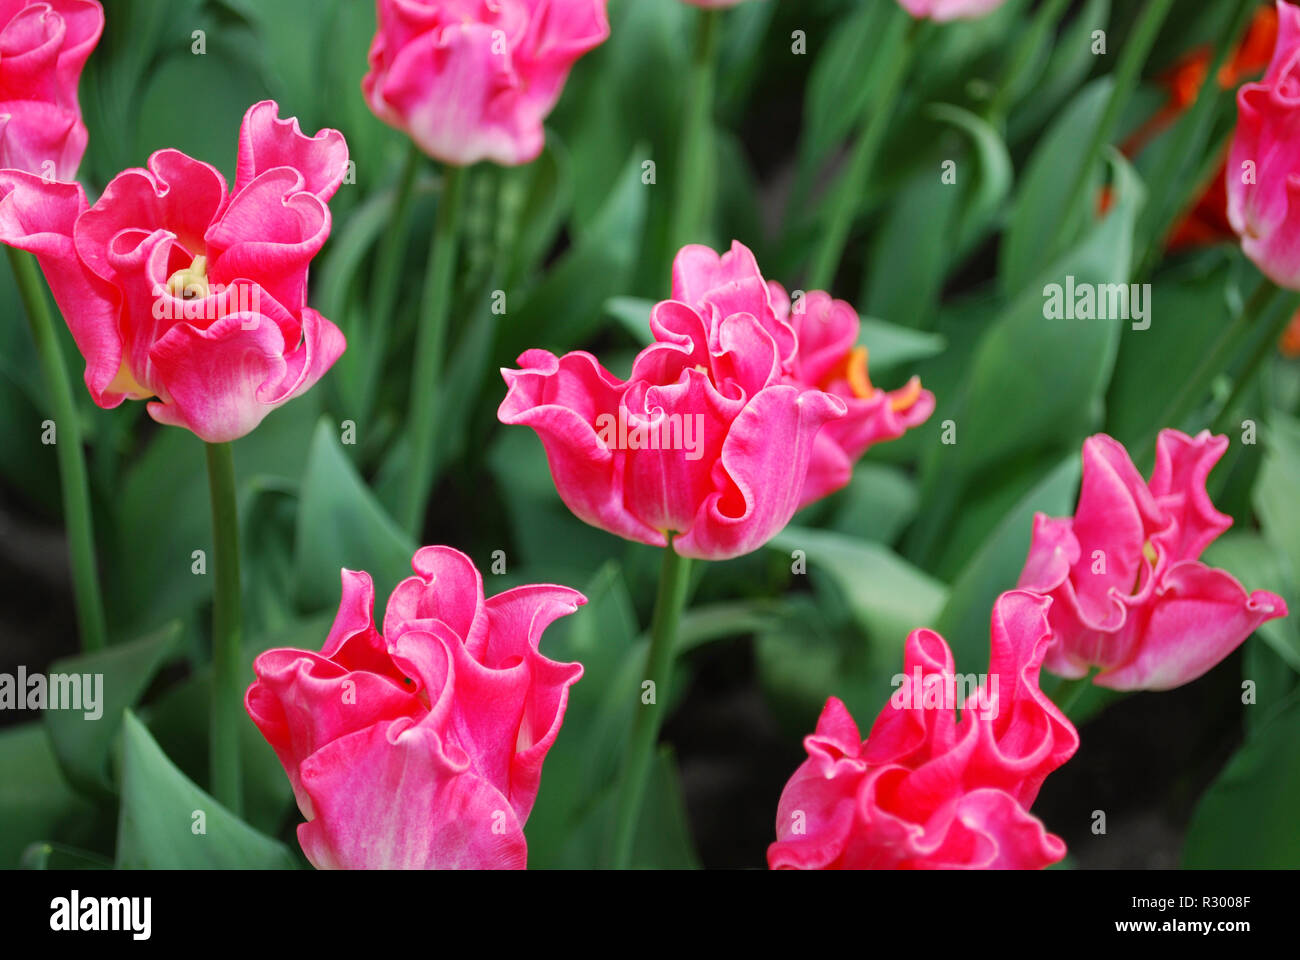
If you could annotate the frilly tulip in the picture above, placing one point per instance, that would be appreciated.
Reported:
(178, 290)
(709, 438)
(1263, 173)
(943, 10)
(926, 790)
(420, 747)
(43, 47)
(1130, 595)
(830, 359)
(472, 80)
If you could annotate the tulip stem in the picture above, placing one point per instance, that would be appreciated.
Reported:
(1127, 72)
(674, 579)
(1267, 344)
(1213, 362)
(430, 344)
(226, 619)
(388, 267)
(696, 179)
(1069, 691)
(69, 451)
(897, 46)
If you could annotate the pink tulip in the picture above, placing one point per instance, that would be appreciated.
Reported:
(925, 790)
(43, 46)
(708, 438)
(472, 80)
(421, 747)
(1263, 171)
(942, 11)
(1130, 595)
(176, 290)
(830, 359)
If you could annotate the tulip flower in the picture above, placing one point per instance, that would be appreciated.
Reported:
(829, 358)
(942, 11)
(421, 746)
(926, 790)
(709, 438)
(1130, 595)
(43, 47)
(1264, 158)
(180, 292)
(471, 81)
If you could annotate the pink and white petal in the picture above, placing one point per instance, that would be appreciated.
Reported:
(759, 478)
(267, 142)
(1197, 617)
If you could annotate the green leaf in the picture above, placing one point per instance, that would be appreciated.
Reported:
(1246, 819)
(982, 205)
(566, 306)
(892, 346)
(35, 800)
(633, 315)
(81, 742)
(1036, 220)
(1036, 379)
(162, 813)
(341, 525)
(996, 566)
(1275, 493)
(888, 596)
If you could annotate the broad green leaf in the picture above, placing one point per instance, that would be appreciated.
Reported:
(341, 525)
(996, 567)
(1247, 818)
(35, 800)
(167, 823)
(1036, 219)
(888, 596)
(119, 676)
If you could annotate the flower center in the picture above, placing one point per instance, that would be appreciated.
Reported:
(190, 283)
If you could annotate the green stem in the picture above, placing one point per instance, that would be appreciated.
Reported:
(897, 46)
(69, 451)
(227, 695)
(1131, 61)
(430, 344)
(692, 210)
(1266, 346)
(388, 265)
(1185, 141)
(674, 578)
(1048, 13)
(1213, 362)
(1068, 692)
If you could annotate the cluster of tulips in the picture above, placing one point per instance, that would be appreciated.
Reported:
(418, 741)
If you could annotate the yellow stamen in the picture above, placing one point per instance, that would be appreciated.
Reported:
(903, 398)
(1149, 552)
(855, 371)
(190, 283)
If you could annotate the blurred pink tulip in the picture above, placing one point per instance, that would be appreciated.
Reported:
(472, 80)
(43, 47)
